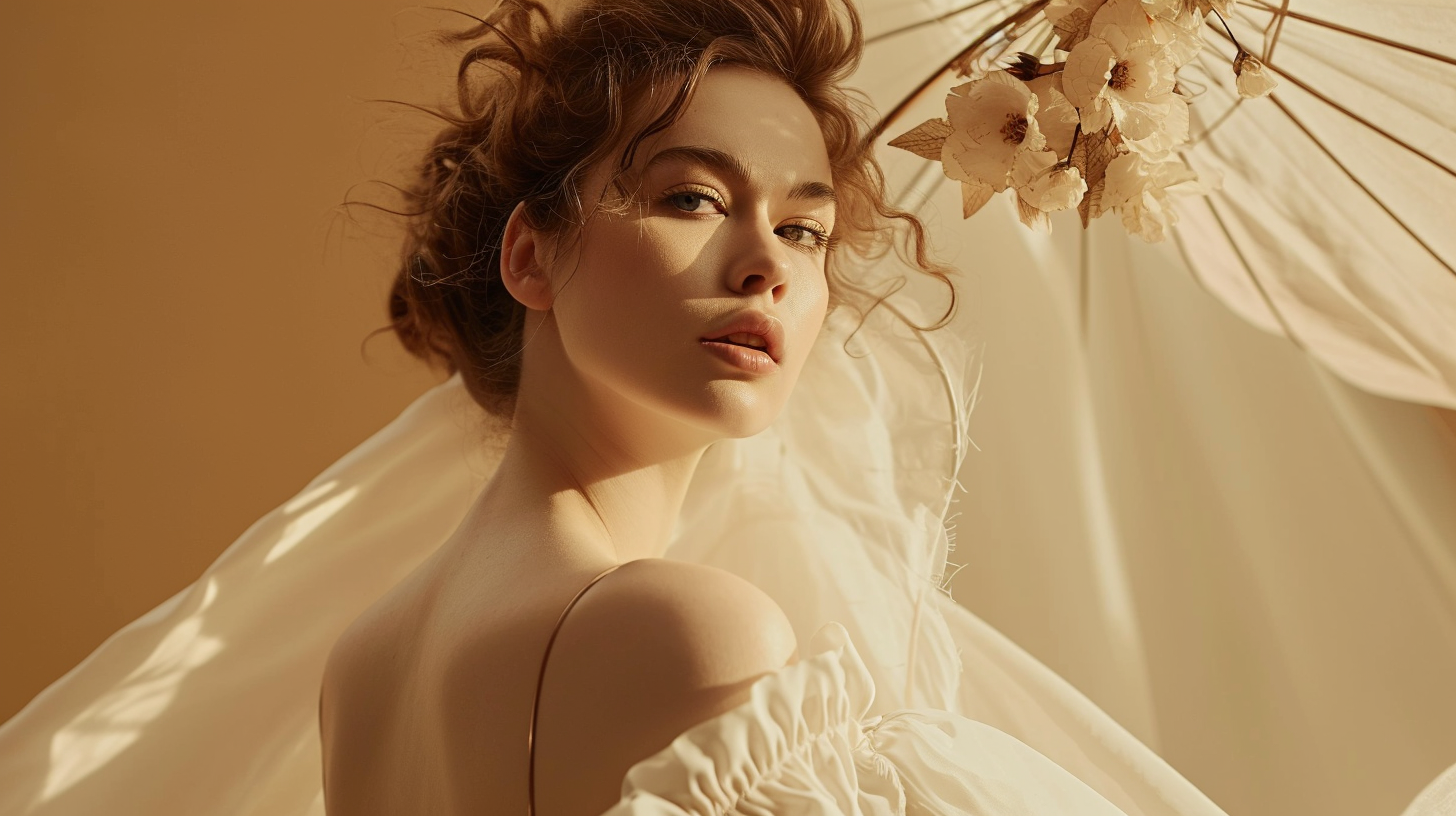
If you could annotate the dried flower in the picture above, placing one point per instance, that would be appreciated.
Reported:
(1054, 114)
(1176, 27)
(1138, 189)
(1090, 123)
(1250, 78)
(1026, 67)
(992, 119)
(1044, 183)
(1120, 75)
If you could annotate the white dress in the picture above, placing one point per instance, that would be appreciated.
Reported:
(803, 744)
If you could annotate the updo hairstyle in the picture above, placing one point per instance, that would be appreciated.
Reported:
(540, 102)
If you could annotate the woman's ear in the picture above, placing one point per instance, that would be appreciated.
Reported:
(522, 263)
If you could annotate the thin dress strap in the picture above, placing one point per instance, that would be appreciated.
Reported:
(536, 706)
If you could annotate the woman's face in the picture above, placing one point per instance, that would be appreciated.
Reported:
(733, 205)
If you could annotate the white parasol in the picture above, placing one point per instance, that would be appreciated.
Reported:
(1246, 560)
(1332, 226)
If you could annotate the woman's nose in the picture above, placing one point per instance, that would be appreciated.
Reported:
(761, 263)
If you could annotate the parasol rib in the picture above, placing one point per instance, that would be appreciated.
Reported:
(1253, 278)
(1259, 5)
(885, 35)
(1278, 25)
(1351, 114)
(1026, 13)
(1222, 117)
(1358, 183)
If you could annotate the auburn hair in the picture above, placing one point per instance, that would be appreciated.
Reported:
(539, 102)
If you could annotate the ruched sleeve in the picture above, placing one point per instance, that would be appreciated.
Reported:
(800, 745)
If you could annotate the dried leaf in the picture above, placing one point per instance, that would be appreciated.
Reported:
(1032, 217)
(1072, 28)
(1091, 156)
(974, 197)
(926, 140)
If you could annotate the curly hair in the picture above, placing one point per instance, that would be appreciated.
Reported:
(540, 102)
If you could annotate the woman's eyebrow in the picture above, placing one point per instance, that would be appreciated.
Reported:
(730, 165)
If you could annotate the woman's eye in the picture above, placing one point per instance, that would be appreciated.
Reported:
(687, 201)
(805, 236)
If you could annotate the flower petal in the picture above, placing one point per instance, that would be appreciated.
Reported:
(1122, 24)
(1042, 182)
(1138, 190)
(1251, 81)
(1055, 115)
(991, 119)
(1084, 77)
(1161, 128)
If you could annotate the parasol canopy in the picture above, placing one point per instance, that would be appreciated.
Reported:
(1330, 221)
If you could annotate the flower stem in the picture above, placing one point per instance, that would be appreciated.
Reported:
(1073, 148)
(1230, 31)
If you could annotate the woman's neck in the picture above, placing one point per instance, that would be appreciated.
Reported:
(588, 486)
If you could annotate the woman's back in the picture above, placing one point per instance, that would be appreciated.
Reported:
(427, 698)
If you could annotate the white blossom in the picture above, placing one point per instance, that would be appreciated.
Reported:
(1138, 189)
(992, 119)
(1043, 182)
(1054, 114)
(1250, 78)
(1120, 74)
(1181, 32)
(1164, 9)
(1164, 123)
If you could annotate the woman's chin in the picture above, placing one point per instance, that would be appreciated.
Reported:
(733, 416)
(746, 423)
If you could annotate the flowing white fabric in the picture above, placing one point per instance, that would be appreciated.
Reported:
(208, 704)
(1245, 560)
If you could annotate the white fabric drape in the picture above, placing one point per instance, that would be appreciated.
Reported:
(208, 703)
(1244, 559)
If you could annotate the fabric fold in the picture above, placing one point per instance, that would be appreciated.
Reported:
(800, 744)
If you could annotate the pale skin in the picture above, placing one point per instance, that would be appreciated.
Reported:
(427, 698)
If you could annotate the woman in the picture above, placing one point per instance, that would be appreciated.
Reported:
(679, 312)
(627, 243)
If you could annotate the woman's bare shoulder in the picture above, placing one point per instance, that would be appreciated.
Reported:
(708, 621)
(653, 649)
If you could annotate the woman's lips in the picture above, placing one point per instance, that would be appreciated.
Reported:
(752, 360)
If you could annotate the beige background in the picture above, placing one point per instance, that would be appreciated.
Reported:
(184, 302)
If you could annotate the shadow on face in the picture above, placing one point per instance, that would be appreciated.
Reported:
(724, 233)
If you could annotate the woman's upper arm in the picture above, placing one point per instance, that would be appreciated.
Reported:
(666, 646)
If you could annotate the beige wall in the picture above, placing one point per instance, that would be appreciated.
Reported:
(183, 306)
